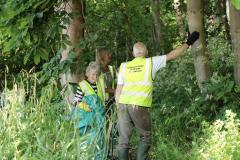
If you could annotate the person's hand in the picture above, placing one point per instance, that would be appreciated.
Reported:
(85, 107)
(192, 38)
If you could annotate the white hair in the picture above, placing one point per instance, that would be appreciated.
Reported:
(93, 66)
(139, 49)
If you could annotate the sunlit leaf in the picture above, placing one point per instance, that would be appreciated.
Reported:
(9, 45)
(44, 54)
(37, 58)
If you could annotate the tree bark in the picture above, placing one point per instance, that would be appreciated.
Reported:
(222, 10)
(158, 25)
(75, 31)
(195, 23)
(179, 18)
(235, 35)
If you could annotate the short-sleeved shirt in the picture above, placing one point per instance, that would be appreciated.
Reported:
(158, 62)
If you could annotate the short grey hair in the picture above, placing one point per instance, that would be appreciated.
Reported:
(139, 49)
(93, 66)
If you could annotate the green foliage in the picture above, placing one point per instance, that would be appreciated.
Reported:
(52, 69)
(170, 30)
(164, 148)
(31, 38)
(119, 25)
(219, 95)
(221, 139)
(236, 3)
(31, 32)
(180, 106)
(214, 19)
(35, 125)
(174, 95)
(221, 58)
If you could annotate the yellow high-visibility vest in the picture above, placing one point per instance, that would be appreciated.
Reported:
(101, 77)
(88, 90)
(137, 85)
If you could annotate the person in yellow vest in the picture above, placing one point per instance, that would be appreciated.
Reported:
(89, 111)
(92, 85)
(134, 95)
(108, 75)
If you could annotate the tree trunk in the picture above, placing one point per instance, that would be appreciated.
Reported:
(158, 25)
(179, 18)
(235, 35)
(195, 23)
(75, 31)
(222, 10)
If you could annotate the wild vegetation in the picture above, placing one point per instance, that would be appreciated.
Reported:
(193, 117)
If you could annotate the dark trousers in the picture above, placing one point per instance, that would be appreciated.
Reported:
(130, 116)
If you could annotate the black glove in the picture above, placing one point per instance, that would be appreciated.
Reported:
(192, 38)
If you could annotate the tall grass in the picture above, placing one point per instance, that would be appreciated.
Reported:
(33, 125)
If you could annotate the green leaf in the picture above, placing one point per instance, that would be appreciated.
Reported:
(37, 58)
(23, 23)
(219, 95)
(9, 45)
(236, 3)
(26, 58)
(27, 39)
(44, 54)
(237, 88)
(229, 86)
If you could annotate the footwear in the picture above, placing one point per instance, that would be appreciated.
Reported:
(123, 154)
(142, 151)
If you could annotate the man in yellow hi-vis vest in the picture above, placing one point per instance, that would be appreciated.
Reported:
(134, 95)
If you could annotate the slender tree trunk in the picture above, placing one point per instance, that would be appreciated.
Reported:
(129, 31)
(222, 10)
(179, 18)
(235, 35)
(158, 25)
(75, 31)
(195, 23)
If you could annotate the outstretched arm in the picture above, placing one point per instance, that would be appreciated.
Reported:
(180, 50)
(177, 52)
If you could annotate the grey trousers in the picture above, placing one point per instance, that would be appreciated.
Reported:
(130, 116)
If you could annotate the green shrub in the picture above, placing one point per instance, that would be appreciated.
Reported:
(221, 140)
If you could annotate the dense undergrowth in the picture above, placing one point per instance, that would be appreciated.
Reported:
(181, 107)
(36, 124)
(187, 122)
